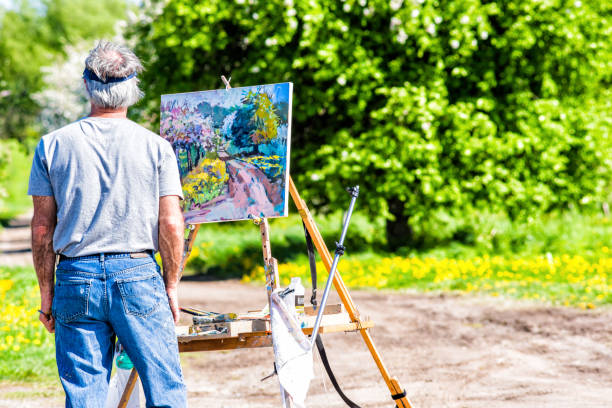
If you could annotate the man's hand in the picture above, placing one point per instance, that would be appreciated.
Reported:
(171, 236)
(48, 321)
(43, 226)
(174, 305)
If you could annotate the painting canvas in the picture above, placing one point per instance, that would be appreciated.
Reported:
(232, 148)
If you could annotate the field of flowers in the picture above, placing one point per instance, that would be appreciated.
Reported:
(204, 183)
(273, 166)
(569, 280)
(27, 351)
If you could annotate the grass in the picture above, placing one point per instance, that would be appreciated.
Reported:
(14, 180)
(229, 250)
(27, 351)
(233, 249)
(568, 280)
(559, 259)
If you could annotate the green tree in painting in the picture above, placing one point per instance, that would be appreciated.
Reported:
(266, 118)
(441, 110)
(256, 122)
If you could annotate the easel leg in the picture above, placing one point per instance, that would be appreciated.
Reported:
(345, 297)
(129, 387)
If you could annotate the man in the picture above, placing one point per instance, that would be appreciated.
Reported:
(106, 196)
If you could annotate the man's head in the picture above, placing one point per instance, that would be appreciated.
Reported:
(110, 76)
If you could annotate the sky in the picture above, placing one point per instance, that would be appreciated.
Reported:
(6, 3)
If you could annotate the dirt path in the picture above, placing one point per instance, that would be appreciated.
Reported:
(15, 242)
(446, 350)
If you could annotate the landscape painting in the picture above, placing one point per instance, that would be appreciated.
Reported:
(232, 148)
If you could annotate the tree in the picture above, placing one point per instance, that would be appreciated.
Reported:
(439, 109)
(34, 35)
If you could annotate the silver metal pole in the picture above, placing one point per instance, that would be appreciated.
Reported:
(339, 252)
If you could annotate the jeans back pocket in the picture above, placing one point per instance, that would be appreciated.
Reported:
(140, 295)
(71, 299)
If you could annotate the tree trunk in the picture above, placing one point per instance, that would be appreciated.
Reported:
(399, 232)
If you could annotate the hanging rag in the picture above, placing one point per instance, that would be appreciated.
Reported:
(292, 351)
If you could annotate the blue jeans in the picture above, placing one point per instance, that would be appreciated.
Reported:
(98, 297)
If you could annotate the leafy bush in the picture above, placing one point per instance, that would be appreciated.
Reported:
(204, 183)
(438, 109)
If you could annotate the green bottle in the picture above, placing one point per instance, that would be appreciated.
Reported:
(123, 361)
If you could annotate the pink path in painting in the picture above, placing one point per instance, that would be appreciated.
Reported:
(248, 192)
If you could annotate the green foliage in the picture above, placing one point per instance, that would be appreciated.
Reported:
(438, 109)
(34, 35)
(15, 162)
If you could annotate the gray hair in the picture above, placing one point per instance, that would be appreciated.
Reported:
(110, 60)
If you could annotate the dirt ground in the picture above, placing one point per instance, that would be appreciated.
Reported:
(446, 350)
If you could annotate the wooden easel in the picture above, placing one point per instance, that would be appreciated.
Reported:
(257, 339)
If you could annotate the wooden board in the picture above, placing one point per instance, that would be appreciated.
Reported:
(234, 328)
(189, 343)
(329, 309)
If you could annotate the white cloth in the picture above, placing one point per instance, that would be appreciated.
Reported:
(117, 386)
(292, 351)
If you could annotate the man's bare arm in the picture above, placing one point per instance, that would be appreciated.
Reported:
(171, 236)
(43, 226)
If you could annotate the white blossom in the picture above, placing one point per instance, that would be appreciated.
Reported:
(64, 98)
(454, 44)
(395, 22)
(363, 3)
(346, 7)
(402, 36)
(291, 12)
(271, 41)
(474, 42)
(396, 4)
(437, 19)
(484, 35)
(426, 126)
(255, 16)
(415, 13)
(341, 80)
(465, 20)
(431, 29)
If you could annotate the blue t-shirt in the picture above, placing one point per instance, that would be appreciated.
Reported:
(107, 175)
